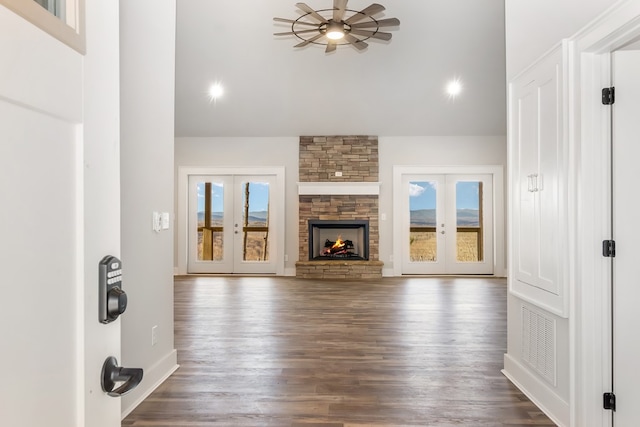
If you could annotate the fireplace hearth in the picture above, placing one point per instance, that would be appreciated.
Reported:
(340, 240)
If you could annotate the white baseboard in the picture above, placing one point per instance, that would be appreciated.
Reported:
(540, 393)
(290, 271)
(387, 272)
(152, 378)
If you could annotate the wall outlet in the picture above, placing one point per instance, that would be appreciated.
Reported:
(338, 173)
(286, 258)
(154, 335)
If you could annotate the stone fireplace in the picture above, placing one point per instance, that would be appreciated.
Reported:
(339, 185)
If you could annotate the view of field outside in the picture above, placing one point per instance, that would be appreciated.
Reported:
(422, 211)
(257, 242)
(422, 206)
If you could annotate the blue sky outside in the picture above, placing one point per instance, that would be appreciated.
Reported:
(258, 196)
(422, 203)
(422, 195)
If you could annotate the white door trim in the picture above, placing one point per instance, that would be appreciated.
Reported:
(182, 208)
(590, 299)
(499, 224)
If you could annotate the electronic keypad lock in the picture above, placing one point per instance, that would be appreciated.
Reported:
(112, 299)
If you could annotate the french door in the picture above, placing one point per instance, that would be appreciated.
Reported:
(229, 224)
(447, 224)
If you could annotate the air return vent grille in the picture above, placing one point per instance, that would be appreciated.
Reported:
(538, 343)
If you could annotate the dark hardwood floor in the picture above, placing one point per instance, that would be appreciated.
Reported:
(302, 353)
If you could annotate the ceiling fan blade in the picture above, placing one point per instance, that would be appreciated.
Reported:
(312, 12)
(292, 21)
(331, 47)
(339, 8)
(364, 13)
(289, 33)
(389, 22)
(372, 34)
(311, 40)
(359, 44)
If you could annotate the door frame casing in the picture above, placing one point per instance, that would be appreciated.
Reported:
(497, 171)
(590, 296)
(182, 208)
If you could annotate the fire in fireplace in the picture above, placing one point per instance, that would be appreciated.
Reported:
(338, 240)
(338, 248)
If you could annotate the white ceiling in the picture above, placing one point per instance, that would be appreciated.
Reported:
(393, 88)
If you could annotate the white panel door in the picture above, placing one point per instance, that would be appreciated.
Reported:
(626, 233)
(447, 224)
(59, 186)
(230, 224)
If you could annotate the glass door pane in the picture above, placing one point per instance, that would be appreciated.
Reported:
(253, 235)
(210, 226)
(55, 7)
(255, 221)
(210, 220)
(469, 242)
(470, 214)
(423, 224)
(423, 244)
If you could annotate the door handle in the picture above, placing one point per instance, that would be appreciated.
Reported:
(112, 373)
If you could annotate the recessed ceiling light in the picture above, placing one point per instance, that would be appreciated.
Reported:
(454, 88)
(215, 91)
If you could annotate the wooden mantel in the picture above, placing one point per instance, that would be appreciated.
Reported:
(338, 188)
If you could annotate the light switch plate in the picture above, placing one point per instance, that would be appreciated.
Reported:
(156, 222)
(165, 220)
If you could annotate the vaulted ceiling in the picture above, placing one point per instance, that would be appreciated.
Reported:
(394, 88)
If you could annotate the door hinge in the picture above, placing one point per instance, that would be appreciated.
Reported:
(609, 248)
(608, 95)
(609, 401)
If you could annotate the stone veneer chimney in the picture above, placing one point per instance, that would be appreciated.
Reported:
(355, 159)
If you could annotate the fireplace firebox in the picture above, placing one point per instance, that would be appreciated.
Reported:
(341, 240)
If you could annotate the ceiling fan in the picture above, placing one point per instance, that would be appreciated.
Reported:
(338, 26)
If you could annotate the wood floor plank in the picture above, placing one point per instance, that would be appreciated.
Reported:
(304, 353)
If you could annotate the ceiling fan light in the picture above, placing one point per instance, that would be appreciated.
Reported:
(335, 30)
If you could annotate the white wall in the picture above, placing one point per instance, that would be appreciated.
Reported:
(147, 32)
(413, 151)
(535, 26)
